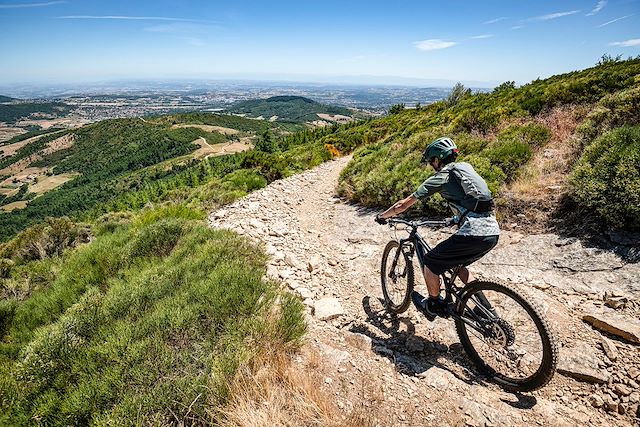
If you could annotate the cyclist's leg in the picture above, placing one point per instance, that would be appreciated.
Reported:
(483, 247)
(432, 281)
(465, 275)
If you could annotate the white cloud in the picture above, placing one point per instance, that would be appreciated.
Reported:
(517, 27)
(613, 20)
(626, 43)
(180, 28)
(554, 15)
(598, 8)
(493, 21)
(23, 5)
(127, 18)
(433, 44)
(482, 36)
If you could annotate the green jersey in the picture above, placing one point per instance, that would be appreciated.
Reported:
(444, 182)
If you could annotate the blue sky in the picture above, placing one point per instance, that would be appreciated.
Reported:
(84, 40)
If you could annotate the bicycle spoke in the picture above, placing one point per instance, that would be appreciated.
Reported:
(508, 341)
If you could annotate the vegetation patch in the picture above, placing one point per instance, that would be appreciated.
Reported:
(148, 324)
(606, 179)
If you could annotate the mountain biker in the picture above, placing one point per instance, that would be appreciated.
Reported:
(470, 200)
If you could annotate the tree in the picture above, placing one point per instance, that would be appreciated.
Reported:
(396, 109)
(457, 93)
(608, 59)
(266, 142)
(505, 86)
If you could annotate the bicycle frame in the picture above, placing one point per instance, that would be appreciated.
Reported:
(453, 295)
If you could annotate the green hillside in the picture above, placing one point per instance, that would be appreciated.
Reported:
(6, 99)
(12, 112)
(126, 163)
(287, 108)
(153, 317)
(527, 142)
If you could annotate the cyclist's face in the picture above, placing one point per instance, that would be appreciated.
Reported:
(435, 163)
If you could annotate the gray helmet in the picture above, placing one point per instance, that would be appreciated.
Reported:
(440, 148)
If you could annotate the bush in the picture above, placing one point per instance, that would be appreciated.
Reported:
(606, 178)
(508, 154)
(534, 134)
(44, 240)
(142, 341)
(614, 110)
(157, 239)
(458, 92)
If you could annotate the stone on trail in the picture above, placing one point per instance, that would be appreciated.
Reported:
(615, 324)
(359, 341)
(327, 309)
(220, 213)
(440, 378)
(305, 293)
(480, 415)
(581, 364)
(609, 348)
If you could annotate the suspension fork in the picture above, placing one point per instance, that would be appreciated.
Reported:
(401, 248)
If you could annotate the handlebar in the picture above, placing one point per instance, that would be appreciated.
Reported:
(416, 224)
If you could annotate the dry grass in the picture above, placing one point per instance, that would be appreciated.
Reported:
(65, 141)
(530, 200)
(11, 149)
(48, 183)
(273, 392)
(8, 132)
(13, 206)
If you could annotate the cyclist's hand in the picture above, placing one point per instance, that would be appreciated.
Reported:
(380, 220)
(451, 221)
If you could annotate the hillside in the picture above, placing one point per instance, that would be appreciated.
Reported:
(296, 109)
(6, 99)
(118, 305)
(11, 112)
(556, 152)
(110, 164)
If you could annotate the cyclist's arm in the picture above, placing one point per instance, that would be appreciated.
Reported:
(399, 207)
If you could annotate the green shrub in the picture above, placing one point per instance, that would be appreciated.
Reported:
(606, 178)
(532, 133)
(508, 154)
(110, 222)
(156, 239)
(614, 110)
(142, 341)
(44, 240)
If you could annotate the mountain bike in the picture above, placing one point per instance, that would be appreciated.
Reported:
(504, 334)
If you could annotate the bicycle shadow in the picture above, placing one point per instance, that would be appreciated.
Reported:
(414, 355)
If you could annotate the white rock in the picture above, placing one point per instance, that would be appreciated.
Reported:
(440, 378)
(359, 341)
(327, 309)
(305, 293)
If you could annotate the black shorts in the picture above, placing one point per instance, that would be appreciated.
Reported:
(458, 250)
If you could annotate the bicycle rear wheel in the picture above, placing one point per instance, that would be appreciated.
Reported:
(396, 277)
(507, 338)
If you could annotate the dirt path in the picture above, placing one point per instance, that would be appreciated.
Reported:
(412, 372)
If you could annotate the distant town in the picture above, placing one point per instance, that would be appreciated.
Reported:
(134, 99)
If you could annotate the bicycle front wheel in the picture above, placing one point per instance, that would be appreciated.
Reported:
(396, 276)
(506, 336)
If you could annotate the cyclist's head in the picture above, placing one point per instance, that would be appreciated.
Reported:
(443, 149)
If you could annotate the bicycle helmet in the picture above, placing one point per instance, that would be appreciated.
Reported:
(440, 148)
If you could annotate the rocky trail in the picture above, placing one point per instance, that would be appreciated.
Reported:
(407, 371)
